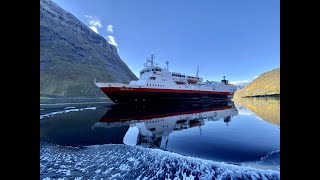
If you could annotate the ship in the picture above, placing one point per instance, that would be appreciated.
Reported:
(157, 84)
(155, 124)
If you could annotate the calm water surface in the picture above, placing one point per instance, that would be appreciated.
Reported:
(244, 133)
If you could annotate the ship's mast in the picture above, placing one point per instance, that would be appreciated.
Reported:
(197, 75)
(151, 60)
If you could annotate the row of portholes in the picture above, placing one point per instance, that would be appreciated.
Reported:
(155, 85)
(155, 121)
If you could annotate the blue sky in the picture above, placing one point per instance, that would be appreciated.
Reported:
(232, 38)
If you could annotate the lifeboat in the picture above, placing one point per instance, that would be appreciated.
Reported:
(179, 82)
(194, 123)
(182, 121)
(192, 81)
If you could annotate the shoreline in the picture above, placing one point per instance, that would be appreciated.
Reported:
(260, 96)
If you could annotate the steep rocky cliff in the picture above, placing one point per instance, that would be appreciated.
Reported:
(72, 55)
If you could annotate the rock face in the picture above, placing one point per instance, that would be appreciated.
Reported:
(72, 56)
(266, 84)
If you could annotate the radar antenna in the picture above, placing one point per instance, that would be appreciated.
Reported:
(167, 63)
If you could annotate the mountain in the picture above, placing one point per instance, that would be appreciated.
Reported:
(266, 108)
(266, 84)
(72, 56)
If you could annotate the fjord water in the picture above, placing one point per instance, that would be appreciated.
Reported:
(238, 139)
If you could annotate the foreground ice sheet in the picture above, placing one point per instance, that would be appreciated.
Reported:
(131, 162)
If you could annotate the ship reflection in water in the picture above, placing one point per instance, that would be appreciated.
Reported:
(215, 131)
(151, 126)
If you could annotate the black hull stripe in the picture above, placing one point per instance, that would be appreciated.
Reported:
(127, 97)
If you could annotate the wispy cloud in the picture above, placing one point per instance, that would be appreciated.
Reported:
(243, 82)
(240, 83)
(94, 23)
(110, 28)
(112, 41)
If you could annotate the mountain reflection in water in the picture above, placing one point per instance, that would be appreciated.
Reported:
(215, 131)
(266, 108)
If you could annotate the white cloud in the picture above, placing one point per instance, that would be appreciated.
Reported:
(240, 83)
(110, 28)
(94, 23)
(243, 82)
(112, 41)
(94, 29)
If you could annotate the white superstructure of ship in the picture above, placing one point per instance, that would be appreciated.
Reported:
(159, 84)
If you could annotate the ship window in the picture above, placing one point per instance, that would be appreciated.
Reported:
(152, 78)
